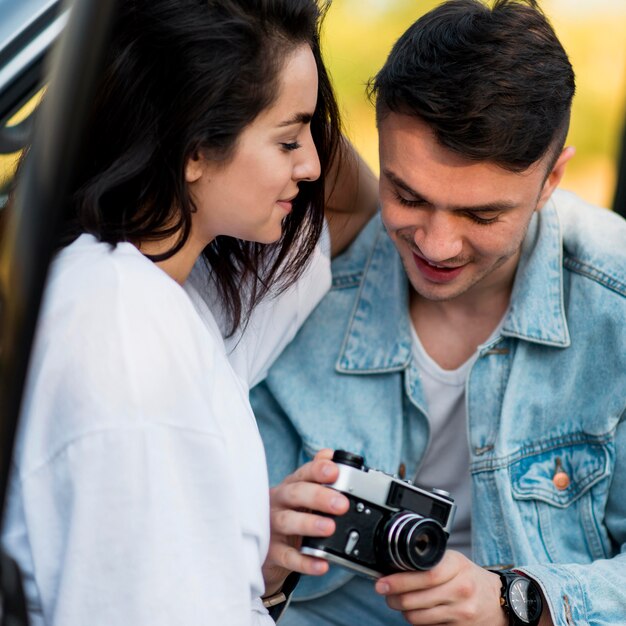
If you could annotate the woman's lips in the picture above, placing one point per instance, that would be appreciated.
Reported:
(286, 205)
(434, 273)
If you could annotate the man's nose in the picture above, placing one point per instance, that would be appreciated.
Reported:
(438, 237)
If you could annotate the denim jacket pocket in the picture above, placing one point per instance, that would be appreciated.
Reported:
(566, 514)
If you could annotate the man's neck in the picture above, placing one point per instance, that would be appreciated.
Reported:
(450, 331)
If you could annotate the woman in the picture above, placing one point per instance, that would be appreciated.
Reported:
(139, 493)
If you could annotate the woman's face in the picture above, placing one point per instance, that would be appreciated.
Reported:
(249, 196)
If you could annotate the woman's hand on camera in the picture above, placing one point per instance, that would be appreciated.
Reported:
(456, 591)
(291, 518)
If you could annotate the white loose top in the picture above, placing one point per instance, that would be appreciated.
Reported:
(139, 492)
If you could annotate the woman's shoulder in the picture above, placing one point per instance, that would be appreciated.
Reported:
(119, 345)
(116, 289)
(98, 289)
(89, 270)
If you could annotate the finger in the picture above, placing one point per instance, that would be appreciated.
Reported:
(400, 583)
(292, 559)
(446, 614)
(319, 470)
(430, 617)
(403, 582)
(407, 582)
(289, 523)
(304, 495)
(324, 454)
(420, 600)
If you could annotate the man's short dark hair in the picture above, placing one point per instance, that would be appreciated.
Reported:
(494, 84)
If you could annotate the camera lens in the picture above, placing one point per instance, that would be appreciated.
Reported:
(413, 542)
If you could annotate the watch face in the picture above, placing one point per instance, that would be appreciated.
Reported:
(525, 600)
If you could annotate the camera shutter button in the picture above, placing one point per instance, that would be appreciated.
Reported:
(442, 492)
(353, 539)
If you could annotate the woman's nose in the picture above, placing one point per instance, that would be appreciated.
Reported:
(308, 166)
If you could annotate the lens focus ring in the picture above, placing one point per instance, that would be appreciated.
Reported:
(414, 542)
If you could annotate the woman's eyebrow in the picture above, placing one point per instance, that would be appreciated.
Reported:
(298, 118)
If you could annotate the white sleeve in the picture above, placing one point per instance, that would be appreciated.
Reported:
(125, 496)
(123, 531)
(276, 320)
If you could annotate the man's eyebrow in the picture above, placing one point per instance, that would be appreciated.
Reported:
(490, 207)
(298, 118)
(398, 182)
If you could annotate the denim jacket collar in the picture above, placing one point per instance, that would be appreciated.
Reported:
(537, 311)
(378, 336)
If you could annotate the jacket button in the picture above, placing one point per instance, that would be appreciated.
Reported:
(560, 479)
(402, 471)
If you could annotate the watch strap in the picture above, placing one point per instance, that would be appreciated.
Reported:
(506, 578)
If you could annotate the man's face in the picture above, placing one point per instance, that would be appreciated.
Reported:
(458, 224)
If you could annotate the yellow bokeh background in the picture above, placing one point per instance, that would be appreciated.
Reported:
(358, 35)
(8, 162)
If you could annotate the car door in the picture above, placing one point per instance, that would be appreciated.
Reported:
(29, 31)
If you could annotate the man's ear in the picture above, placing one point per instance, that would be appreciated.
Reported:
(554, 177)
(194, 168)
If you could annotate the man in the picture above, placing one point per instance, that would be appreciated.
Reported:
(474, 339)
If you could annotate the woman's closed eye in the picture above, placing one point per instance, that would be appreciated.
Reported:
(293, 145)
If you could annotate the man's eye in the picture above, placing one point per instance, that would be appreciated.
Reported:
(481, 220)
(406, 202)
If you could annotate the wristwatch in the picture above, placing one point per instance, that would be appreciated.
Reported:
(520, 598)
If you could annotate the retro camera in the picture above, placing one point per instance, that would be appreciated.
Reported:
(391, 524)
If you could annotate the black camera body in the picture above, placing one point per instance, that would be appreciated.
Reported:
(391, 525)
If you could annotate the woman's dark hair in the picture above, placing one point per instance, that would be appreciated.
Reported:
(182, 78)
(493, 84)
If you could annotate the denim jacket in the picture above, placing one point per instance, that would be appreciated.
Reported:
(549, 391)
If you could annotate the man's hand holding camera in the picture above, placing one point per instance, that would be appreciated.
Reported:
(455, 591)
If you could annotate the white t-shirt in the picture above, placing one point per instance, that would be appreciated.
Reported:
(139, 494)
(445, 464)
